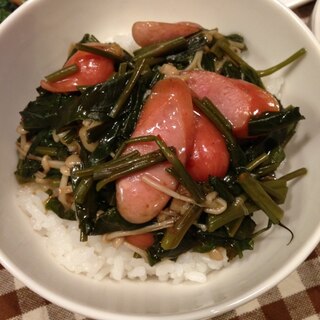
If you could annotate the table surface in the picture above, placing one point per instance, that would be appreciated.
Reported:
(296, 297)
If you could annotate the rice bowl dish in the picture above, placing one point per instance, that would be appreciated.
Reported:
(155, 159)
(97, 261)
(171, 159)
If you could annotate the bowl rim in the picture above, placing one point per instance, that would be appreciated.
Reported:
(315, 20)
(256, 291)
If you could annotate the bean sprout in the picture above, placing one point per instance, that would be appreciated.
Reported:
(83, 134)
(169, 70)
(169, 192)
(137, 250)
(196, 62)
(212, 205)
(117, 242)
(45, 163)
(217, 253)
(154, 227)
(60, 137)
(62, 194)
(215, 204)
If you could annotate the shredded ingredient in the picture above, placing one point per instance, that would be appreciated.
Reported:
(169, 192)
(117, 242)
(73, 146)
(179, 206)
(40, 178)
(137, 250)
(213, 203)
(153, 227)
(45, 164)
(196, 62)
(217, 253)
(72, 160)
(83, 135)
(167, 214)
(169, 70)
(23, 146)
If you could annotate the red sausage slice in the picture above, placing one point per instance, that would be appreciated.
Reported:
(93, 69)
(210, 155)
(168, 112)
(150, 32)
(142, 241)
(238, 100)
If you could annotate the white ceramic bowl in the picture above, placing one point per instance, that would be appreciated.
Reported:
(294, 3)
(315, 20)
(33, 43)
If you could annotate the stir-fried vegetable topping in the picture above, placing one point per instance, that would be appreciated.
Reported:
(78, 140)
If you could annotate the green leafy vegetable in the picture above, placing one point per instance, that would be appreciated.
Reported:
(56, 206)
(268, 122)
(26, 170)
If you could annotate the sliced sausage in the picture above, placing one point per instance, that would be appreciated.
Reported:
(210, 156)
(92, 69)
(168, 112)
(150, 32)
(238, 100)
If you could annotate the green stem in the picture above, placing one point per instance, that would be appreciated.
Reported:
(50, 151)
(122, 68)
(298, 54)
(138, 164)
(82, 189)
(140, 65)
(234, 211)
(245, 67)
(179, 169)
(132, 163)
(294, 174)
(225, 128)
(260, 197)
(87, 172)
(62, 73)
(234, 226)
(258, 233)
(131, 141)
(188, 182)
(160, 49)
(175, 234)
(224, 45)
(256, 162)
(99, 52)
(277, 189)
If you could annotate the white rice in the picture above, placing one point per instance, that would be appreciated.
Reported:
(97, 259)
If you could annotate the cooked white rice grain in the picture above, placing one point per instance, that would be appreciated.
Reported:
(99, 260)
